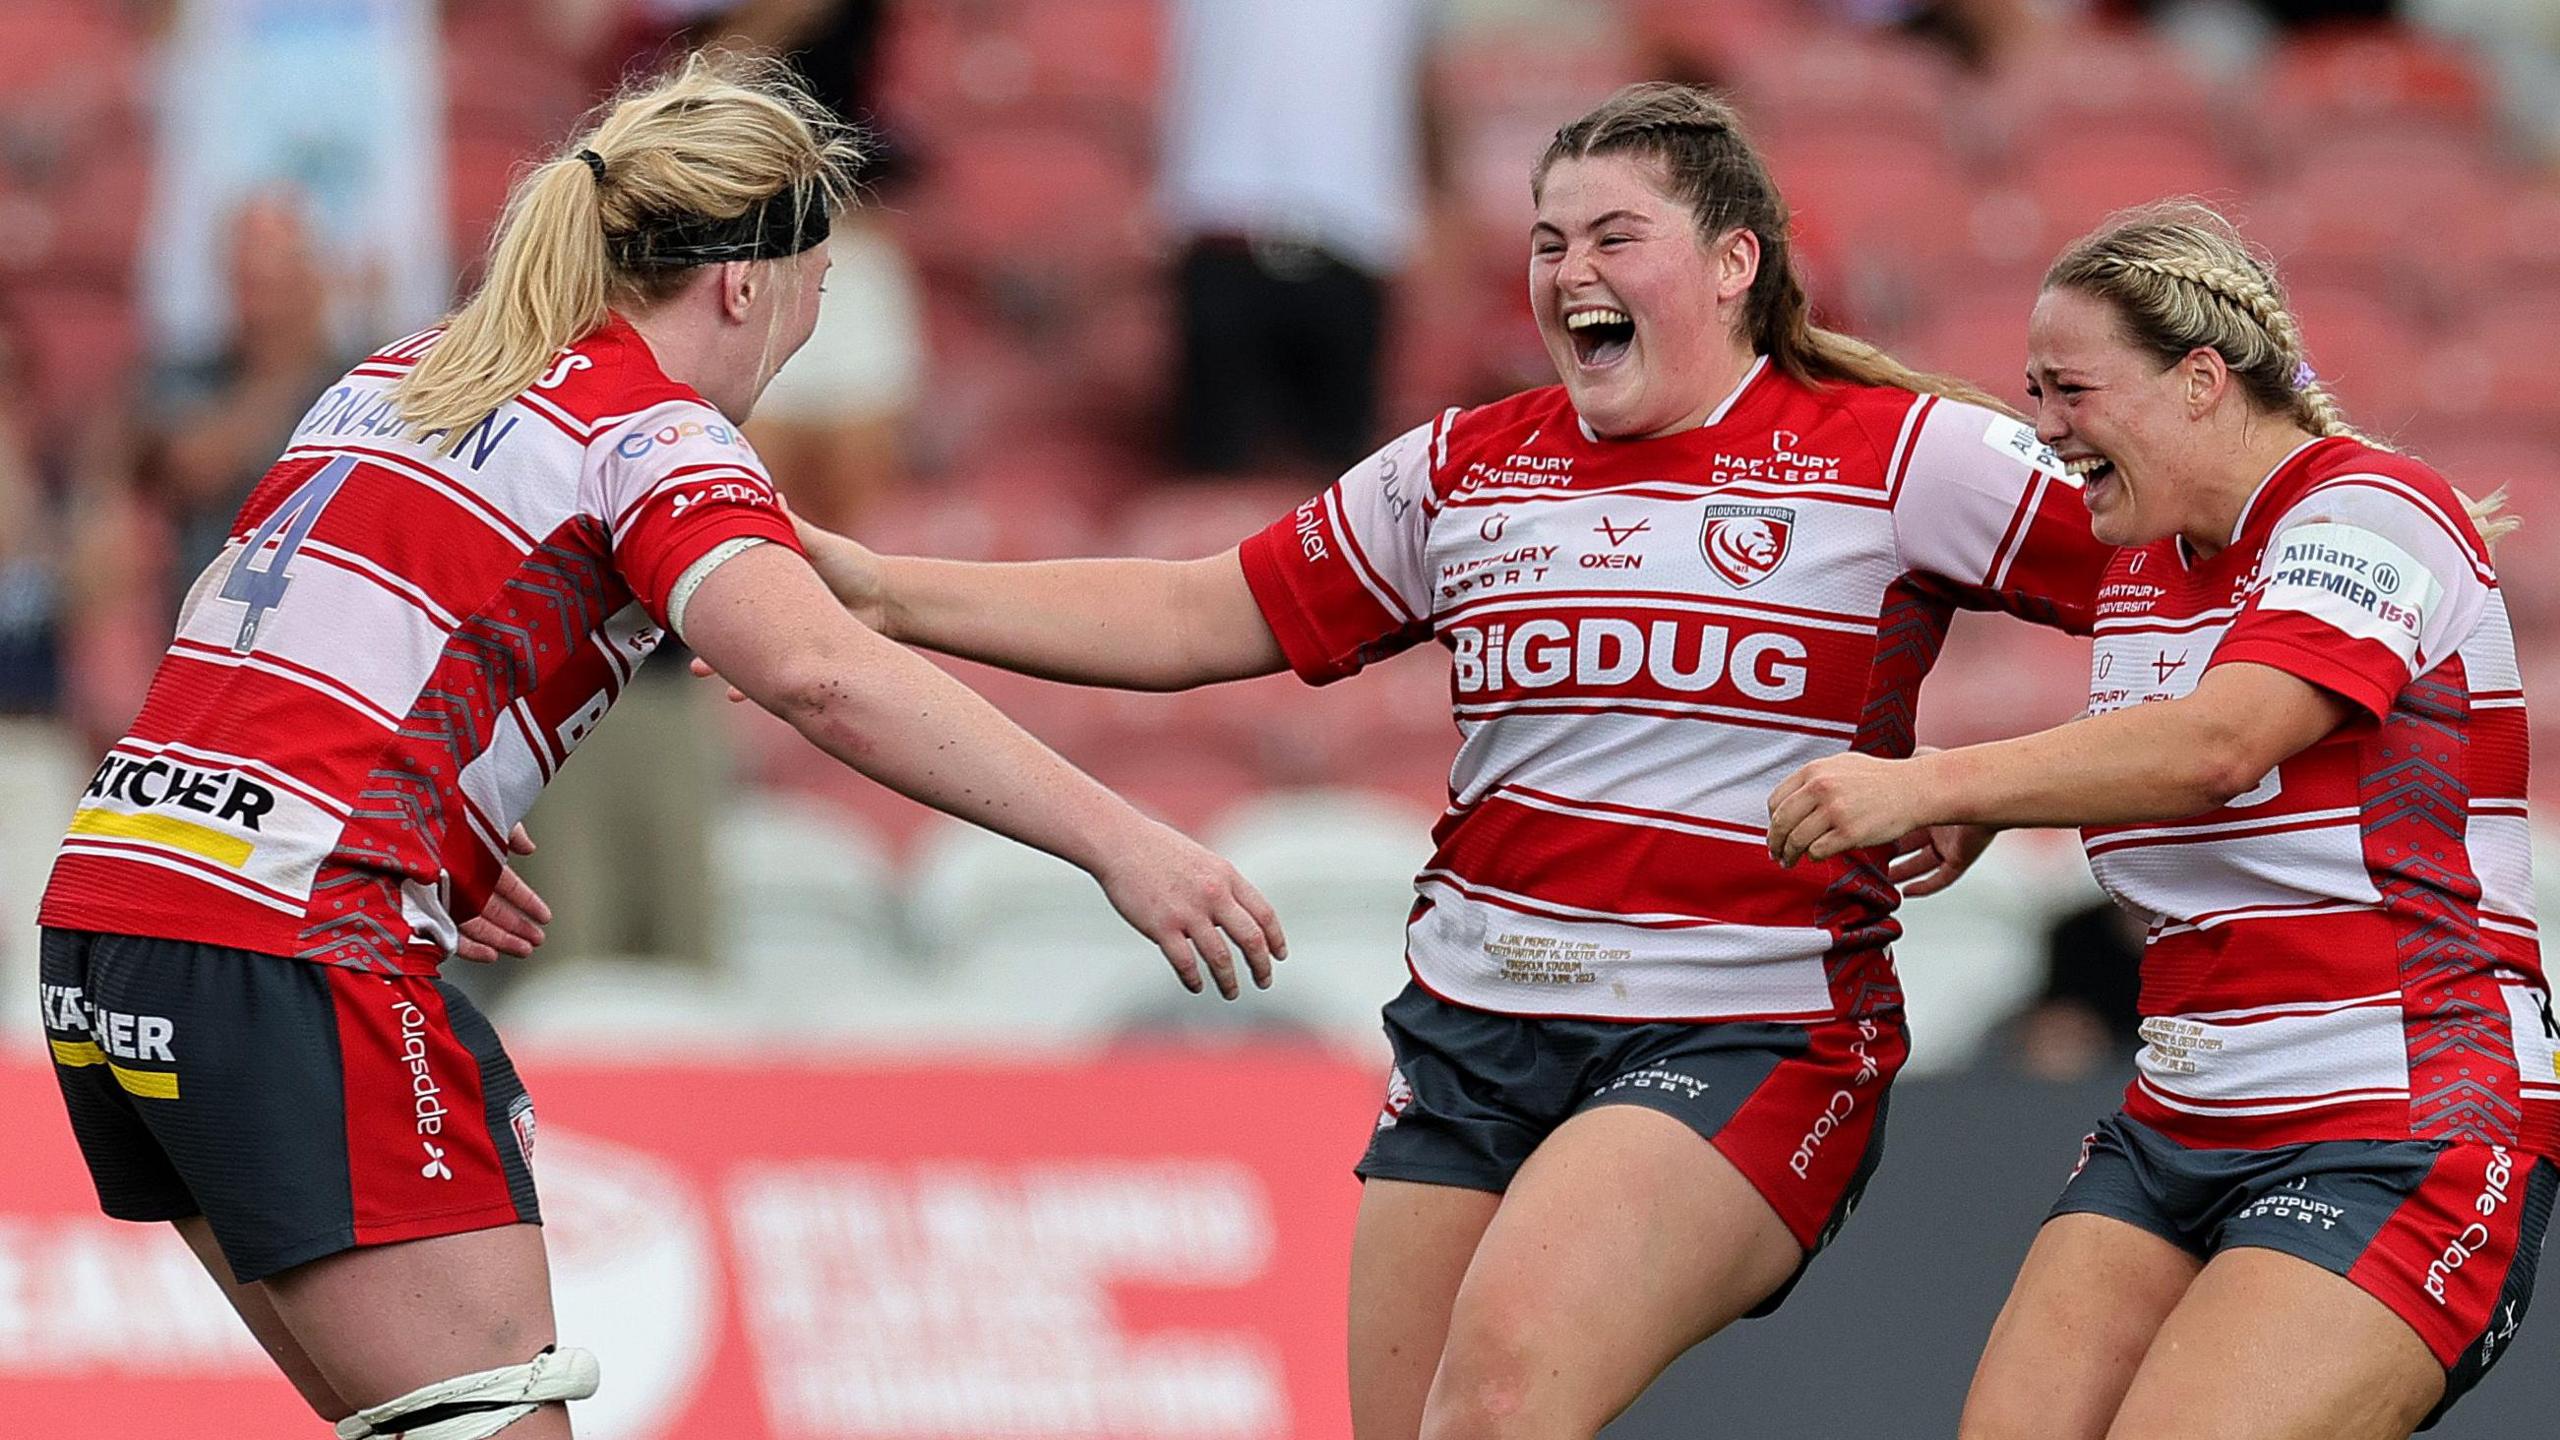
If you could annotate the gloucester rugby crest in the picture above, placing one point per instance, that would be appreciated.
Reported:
(1745, 544)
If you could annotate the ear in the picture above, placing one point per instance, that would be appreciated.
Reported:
(739, 285)
(1737, 262)
(2203, 378)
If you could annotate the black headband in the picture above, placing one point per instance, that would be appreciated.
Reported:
(785, 223)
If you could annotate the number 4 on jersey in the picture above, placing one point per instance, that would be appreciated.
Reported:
(262, 587)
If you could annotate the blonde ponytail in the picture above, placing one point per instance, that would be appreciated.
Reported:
(724, 134)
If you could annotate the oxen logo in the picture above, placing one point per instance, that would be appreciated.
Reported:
(1745, 544)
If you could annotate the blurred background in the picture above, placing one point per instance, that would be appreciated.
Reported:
(1134, 277)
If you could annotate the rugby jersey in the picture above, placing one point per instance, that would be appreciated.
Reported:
(2347, 950)
(1647, 636)
(394, 653)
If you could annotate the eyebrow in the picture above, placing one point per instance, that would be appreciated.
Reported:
(1597, 221)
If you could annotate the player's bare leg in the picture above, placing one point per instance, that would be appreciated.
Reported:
(1625, 1240)
(259, 1314)
(381, 1321)
(1408, 1253)
(2268, 1346)
(2088, 1302)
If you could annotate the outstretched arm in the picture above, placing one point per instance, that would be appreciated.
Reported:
(2159, 761)
(764, 621)
(1131, 624)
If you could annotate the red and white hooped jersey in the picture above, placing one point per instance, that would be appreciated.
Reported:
(2346, 951)
(396, 651)
(1647, 637)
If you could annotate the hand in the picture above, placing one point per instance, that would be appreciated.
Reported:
(1842, 803)
(1181, 896)
(702, 667)
(511, 923)
(1934, 857)
(851, 570)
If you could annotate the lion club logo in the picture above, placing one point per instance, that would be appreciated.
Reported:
(1746, 544)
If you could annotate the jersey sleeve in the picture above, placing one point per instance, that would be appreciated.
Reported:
(673, 484)
(1987, 507)
(2361, 589)
(1342, 579)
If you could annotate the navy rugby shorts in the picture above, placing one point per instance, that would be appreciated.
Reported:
(302, 1109)
(1798, 1109)
(2446, 1235)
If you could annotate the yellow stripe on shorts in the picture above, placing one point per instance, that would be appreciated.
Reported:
(166, 830)
(149, 1084)
(76, 1053)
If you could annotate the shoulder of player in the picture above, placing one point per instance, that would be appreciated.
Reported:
(1479, 442)
(1506, 423)
(671, 421)
(1895, 421)
(2348, 472)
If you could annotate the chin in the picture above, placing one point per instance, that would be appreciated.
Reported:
(1612, 415)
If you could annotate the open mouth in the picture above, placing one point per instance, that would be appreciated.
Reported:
(2093, 471)
(1601, 337)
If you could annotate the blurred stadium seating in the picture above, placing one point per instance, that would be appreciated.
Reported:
(2424, 257)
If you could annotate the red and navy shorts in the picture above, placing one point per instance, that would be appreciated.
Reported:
(2447, 1235)
(1798, 1109)
(302, 1109)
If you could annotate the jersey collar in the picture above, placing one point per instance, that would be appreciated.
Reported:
(1714, 417)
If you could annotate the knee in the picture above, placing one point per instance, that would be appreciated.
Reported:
(1498, 1382)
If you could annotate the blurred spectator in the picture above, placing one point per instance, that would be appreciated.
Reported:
(341, 100)
(66, 563)
(1985, 34)
(1293, 177)
(217, 423)
(2087, 1020)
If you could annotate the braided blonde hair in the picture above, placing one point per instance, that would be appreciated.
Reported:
(2182, 279)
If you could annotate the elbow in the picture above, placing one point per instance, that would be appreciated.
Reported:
(821, 702)
(2221, 765)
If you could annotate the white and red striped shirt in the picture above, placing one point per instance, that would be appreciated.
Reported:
(2346, 951)
(394, 654)
(1648, 636)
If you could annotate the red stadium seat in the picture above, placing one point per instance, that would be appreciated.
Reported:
(1977, 331)
(2323, 85)
(1054, 201)
(1845, 80)
(478, 169)
(948, 67)
(1688, 40)
(2370, 354)
(70, 51)
(2357, 210)
(2127, 85)
(1884, 200)
(2080, 177)
(1499, 96)
(1188, 520)
(2500, 373)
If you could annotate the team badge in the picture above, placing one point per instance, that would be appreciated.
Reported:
(1745, 544)
(1399, 1099)
(520, 1120)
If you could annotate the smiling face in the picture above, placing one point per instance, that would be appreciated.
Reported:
(1641, 319)
(2107, 406)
